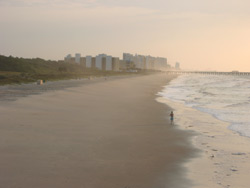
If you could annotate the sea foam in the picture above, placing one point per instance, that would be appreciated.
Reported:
(226, 98)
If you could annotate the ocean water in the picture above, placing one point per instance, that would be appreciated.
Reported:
(226, 98)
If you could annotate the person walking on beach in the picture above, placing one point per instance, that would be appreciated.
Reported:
(172, 117)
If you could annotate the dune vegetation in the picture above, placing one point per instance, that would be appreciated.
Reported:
(14, 70)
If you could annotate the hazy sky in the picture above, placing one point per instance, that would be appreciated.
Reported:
(200, 34)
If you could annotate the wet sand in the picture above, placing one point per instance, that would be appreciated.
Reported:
(224, 157)
(108, 134)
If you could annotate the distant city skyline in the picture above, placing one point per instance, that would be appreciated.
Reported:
(128, 62)
(201, 35)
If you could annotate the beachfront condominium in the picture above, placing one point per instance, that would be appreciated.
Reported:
(83, 62)
(68, 58)
(128, 57)
(107, 62)
(177, 65)
(88, 61)
(145, 62)
(139, 61)
(99, 61)
(149, 62)
(78, 58)
(108, 66)
(160, 63)
(115, 64)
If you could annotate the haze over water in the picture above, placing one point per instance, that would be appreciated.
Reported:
(201, 35)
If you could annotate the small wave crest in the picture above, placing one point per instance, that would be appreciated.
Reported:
(224, 97)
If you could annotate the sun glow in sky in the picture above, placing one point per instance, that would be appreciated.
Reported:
(201, 35)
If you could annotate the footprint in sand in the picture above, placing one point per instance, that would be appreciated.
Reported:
(212, 156)
(211, 136)
(204, 144)
(239, 153)
(234, 170)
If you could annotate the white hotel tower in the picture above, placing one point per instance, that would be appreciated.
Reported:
(98, 61)
(109, 63)
(102, 61)
(88, 61)
(78, 58)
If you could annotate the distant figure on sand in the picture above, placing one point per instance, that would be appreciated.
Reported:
(172, 117)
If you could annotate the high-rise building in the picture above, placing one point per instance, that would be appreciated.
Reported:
(93, 60)
(127, 57)
(83, 61)
(145, 62)
(68, 58)
(160, 63)
(108, 63)
(177, 65)
(78, 58)
(149, 62)
(99, 61)
(88, 61)
(115, 64)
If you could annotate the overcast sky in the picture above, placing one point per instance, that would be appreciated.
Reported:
(200, 34)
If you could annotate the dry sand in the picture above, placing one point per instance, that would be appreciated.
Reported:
(109, 134)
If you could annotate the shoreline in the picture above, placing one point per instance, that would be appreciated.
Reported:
(224, 155)
(106, 134)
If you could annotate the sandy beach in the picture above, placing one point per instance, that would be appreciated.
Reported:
(108, 134)
(224, 155)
